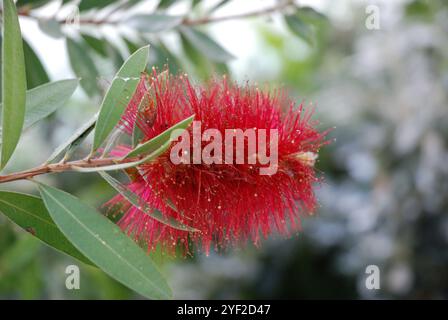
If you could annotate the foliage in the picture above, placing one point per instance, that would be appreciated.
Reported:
(57, 218)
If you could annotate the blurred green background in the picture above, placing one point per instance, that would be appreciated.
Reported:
(385, 196)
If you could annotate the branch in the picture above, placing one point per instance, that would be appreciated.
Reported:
(63, 167)
(257, 13)
(26, 12)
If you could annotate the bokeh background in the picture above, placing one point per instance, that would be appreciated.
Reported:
(385, 196)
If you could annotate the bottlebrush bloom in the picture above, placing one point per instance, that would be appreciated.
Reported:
(229, 204)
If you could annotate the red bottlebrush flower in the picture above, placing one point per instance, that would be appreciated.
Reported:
(228, 203)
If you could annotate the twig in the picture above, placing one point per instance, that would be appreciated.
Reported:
(186, 22)
(261, 12)
(62, 167)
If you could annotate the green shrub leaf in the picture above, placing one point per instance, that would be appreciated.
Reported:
(155, 22)
(105, 244)
(13, 84)
(119, 95)
(35, 71)
(206, 45)
(46, 99)
(83, 66)
(300, 28)
(75, 140)
(29, 213)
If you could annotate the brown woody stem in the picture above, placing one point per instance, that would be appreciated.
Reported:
(62, 167)
(257, 13)
(26, 12)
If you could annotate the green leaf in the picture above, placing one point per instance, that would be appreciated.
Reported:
(204, 68)
(31, 3)
(300, 28)
(217, 6)
(74, 141)
(119, 95)
(162, 57)
(164, 138)
(83, 66)
(29, 213)
(155, 22)
(14, 82)
(1, 63)
(35, 71)
(98, 4)
(51, 27)
(206, 45)
(98, 45)
(46, 99)
(132, 46)
(163, 4)
(135, 200)
(115, 56)
(310, 14)
(104, 244)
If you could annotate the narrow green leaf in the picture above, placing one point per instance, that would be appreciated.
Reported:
(98, 4)
(83, 66)
(155, 22)
(217, 6)
(300, 28)
(74, 141)
(135, 200)
(51, 27)
(104, 244)
(99, 45)
(204, 67)
(1, 63)
(206, 45)
(29, 213)
(311, 14)
(192, 53)
(163, 4)
(164, 138)
(115, 56)
(132, 46)
(14, 82)
(46, 99)
(161, 57)
(35, 71)
(31, 3)
(119, 95)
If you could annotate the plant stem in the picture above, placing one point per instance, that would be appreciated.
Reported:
(257, 13)
(62, 167)
(186, 22)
